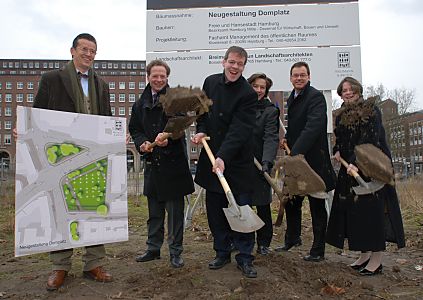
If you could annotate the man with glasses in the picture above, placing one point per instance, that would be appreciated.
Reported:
(229, 124)
(307, 135)
(76, 88)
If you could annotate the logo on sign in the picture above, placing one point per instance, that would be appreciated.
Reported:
(343, 59)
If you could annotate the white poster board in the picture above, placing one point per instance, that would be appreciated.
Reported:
(276, 26)
(71, 188)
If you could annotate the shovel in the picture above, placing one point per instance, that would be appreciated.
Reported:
(364, 188)
(175, 128)
(240, 218)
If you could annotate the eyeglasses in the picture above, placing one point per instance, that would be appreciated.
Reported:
(233, 62)
(299, 75)
(88, 51)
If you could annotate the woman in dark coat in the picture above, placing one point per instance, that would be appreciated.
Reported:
(367, 221)
(266, 141)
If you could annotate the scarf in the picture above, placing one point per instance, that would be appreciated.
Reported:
(80, 106)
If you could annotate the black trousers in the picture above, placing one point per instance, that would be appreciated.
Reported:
(265, 234)
(319, 222)
(175, 224)
(223, 235)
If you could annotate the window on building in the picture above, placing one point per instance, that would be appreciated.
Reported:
(19, 85)
(131, 85)
(7, 139)
(7, 111)
(11, 64)
(121, 97)
(16, 64)
(112, 97)
(30, 85)
(115, 66)
(134, 66)
(113, 110)
(131, 97)
(128, 65)
(30, 97)
(193, 149)
(121, 85)
(37, 65)
(112, 85)
(31, 65)
(121, 111)
(1, 95)
(45, 65)
(123, 66)
(19, 97)
(4, 64)
(96, 66)
(8, 125)
(129, 112)
(8, 85)
(8, 98)
(109, 65)
(103, 65)
(56, 65)
(141, 85)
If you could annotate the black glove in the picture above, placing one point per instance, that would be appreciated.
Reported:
(266, 167)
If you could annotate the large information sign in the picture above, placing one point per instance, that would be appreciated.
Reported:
(253, 27)
(71, 186)
(192, 36)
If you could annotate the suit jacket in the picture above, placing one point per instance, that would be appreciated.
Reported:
(266, 144)
(306, 133)
(229, 123)
(166, 170)
(55, 93)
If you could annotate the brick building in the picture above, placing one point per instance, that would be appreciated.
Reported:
(405, 137)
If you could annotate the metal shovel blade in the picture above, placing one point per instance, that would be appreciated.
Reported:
(243, 219)
(369, 187)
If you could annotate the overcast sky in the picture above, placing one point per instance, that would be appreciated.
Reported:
(391, 34)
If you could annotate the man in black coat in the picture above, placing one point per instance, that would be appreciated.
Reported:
(229, 124)
(167, 178)
(307, 135)
(76, 88)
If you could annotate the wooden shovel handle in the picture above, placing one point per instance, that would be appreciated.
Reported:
(222, 178)
(285, 145)
(345, 164)
(164, 136)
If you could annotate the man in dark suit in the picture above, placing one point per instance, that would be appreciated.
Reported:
(167, 178)
(229, 124)
(76, 88)
(307, 135)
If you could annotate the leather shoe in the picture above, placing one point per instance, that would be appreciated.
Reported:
(366, 272)
(176, 261)
(288, 246)
(313, 258)
(247, 270)
(56, 280)
(147, 256)
(263, 250)
(360, 266)
(98, 274)
(219, 262)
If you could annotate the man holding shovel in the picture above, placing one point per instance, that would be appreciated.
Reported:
(167, 178)
(229, 124)
(306, 135)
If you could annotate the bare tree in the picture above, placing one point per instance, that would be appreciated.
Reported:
(378, 90)
(405, 98)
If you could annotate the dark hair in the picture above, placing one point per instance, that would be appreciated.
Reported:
(238, 50)
(299, 65)
(85, 36)
(255, 76)
(355, 86)
(158, 62)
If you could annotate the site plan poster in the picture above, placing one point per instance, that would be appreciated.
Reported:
(71, 188)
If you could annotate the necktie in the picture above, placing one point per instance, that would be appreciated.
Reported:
(155, 98)
(82, 75)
